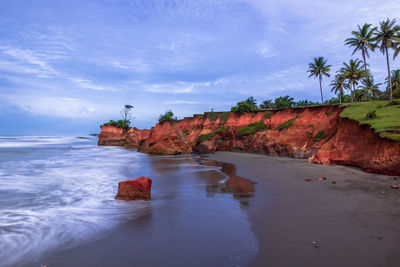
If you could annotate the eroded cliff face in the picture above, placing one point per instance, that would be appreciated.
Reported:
(316, 133)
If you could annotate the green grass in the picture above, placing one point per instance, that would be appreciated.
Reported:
(252, 128)
(286, 124)
(386, 122)
(320, 135)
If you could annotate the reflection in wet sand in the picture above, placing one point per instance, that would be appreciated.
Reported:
(241, 188)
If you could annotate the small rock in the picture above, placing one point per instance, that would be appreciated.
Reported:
(395, 186)
(333, 182)
(314, 244)
(308, 180)
(395, 178)
(139, 188)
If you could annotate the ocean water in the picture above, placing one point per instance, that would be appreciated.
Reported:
(57, 194)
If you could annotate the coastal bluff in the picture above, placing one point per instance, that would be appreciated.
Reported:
(318, 134)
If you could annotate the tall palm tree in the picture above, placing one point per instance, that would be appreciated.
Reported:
(352, 72)
(319, 68)
(387, 37)
(369, 87)
(363, 40)
(395, 82)
(338, 85)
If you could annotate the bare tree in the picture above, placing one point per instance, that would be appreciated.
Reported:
(126, 113)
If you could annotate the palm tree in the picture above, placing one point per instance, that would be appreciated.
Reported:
(318, 68)
(338, 86)
(368, 87)
(395, 82)
(363, 40)
(352, 72)
(387, 37)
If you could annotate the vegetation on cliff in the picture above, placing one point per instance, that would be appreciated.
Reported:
(167, 116)
(386, 122)
(252, 128)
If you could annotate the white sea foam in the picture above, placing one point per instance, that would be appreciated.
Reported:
(57, 199)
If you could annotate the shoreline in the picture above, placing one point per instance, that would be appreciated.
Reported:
(355, 222)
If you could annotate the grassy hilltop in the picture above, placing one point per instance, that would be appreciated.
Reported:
(387, 119)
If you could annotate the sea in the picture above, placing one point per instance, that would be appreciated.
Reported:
(57, 207)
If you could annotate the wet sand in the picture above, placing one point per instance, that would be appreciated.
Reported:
(355, 222)
(262, 214)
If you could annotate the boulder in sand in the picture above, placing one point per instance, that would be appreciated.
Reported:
(135, 189)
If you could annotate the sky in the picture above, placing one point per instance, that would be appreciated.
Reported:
(68, 66)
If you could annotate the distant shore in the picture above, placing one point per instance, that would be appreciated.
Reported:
(354, 221)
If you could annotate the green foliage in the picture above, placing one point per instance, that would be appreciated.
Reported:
(370, 115)
(248, 105)
(286, 124)
(309, 126)
(305, 103)
(267, 115)
(320, 135)
(253, 115)
(267, 104)
(168, 116)
(124, 124)
(252, 128)
(284, 102)
(329, 113)
(185, 132)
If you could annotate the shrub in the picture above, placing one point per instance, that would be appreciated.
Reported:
(286, 124)
(185, 132)
(252, 128)
(370, 115)
(168, 116)
(124, 124)
(379, 106)
(329, 113)
(267, 115)
(267, 104)
(248, 105)
(309, 126)
(320, 135)
(284, 102)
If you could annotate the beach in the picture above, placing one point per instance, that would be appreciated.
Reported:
(355, 222)
(221, 209)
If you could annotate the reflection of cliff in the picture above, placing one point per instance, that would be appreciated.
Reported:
(316, 133)
(241, 188)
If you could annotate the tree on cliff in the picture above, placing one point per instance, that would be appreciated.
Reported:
(363, 40)
(387, 36)
(369, 87)
(319, 68)
(126, 113)
(168, 116)
(352, 72)
(248, 105)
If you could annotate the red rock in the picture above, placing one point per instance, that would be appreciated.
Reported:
(395, 186)
(135, 189)
(112, 136)
(315, 179)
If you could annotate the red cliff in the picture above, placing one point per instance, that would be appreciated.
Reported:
(316, 133)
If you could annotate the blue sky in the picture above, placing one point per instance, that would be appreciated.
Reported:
(68, 66)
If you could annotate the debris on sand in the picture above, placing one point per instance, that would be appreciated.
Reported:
(315, 179)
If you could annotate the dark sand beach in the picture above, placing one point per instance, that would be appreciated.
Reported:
(354, 222)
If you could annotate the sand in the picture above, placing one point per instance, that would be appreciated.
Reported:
(354, 222)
